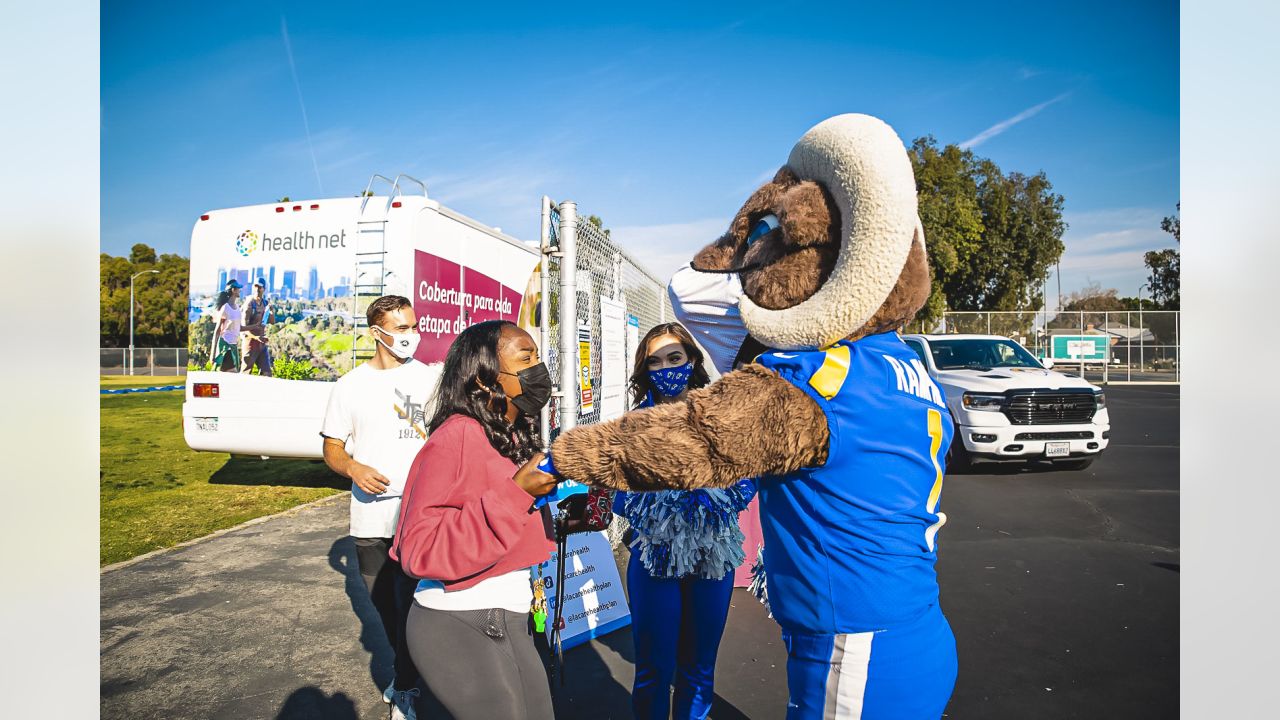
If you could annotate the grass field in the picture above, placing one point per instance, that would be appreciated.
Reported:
(156, 492)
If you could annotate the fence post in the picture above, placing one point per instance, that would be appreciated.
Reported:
(617, 275)
(570, 398)
(544, 309)
(1128, 346)
(1177, 347)
(1081, 332)
(1142, 338)
(1106, 360)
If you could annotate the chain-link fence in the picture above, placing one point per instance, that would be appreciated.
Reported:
(602, 272)
(146, 361)
(1109, 347)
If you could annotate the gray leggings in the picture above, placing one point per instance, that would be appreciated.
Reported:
(480, 663)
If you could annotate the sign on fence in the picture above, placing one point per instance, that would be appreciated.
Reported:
(1080, 348)
(594, 600)
(584, 370)
(613, 359)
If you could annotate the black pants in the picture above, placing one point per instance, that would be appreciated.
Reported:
(392, 594)
(480, 664)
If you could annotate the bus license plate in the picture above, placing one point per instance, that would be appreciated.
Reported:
(206, 424)
(1057, 449)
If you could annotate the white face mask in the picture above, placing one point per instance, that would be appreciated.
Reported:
(402, 346)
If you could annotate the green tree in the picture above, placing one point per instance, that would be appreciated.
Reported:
(142, 255)
(599, 223)
(1093, 298)
(1173, 225)
(160, 299)
(1164, 266)
(991, 237)
(948, 206)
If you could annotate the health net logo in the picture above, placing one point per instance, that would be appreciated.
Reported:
(247, 242)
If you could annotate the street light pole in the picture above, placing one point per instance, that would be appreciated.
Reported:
(144, 272)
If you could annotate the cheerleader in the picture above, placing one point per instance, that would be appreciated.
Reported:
(684, 546)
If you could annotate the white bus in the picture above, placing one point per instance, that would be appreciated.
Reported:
(322, 263)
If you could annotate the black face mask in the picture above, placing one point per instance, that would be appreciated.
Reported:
(535, 389)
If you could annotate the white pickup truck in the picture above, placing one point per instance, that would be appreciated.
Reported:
(1007, 406)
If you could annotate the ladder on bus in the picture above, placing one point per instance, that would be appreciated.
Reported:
(369, 280)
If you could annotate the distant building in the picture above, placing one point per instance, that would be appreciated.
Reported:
(1122, 334)
(289, 284)
(313, 283)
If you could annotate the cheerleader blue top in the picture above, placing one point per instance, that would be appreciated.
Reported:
(850, 546)
(684, 533)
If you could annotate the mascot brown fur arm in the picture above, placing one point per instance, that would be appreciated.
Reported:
(752, 422)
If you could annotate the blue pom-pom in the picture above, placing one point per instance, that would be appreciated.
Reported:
(689, 532)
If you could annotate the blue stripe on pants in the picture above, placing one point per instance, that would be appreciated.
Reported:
(903, 673)
(676, 626)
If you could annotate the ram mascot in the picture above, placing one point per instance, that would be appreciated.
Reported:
(837, 419)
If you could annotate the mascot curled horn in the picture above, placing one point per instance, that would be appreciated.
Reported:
(837, 419)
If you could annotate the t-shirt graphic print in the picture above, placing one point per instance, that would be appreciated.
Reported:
(382, 417)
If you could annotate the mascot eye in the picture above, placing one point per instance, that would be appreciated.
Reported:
(764, 226)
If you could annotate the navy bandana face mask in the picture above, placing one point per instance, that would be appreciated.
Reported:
(671, 381)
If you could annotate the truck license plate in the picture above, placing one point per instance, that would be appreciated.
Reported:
(1057, 449)
(206, 424)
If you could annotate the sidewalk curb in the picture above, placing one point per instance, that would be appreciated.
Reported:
(218, 533)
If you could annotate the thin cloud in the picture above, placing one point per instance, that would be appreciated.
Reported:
(306, 124)
(1107, 245)
(1003, 125)
(663, 249)
(755, 183)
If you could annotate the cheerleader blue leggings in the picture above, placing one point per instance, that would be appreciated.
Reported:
(676, 625)
(902, 673)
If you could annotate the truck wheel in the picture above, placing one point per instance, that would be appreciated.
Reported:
(1076, 464)
(958, 460)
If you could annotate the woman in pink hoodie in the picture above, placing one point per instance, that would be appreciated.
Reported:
(469, 531)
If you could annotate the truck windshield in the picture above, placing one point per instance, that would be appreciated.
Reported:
(980, 354)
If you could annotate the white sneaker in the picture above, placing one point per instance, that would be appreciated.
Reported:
(402, 705)
(389, 692)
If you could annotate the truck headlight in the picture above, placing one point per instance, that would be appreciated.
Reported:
(1101, 399)
(977, 401)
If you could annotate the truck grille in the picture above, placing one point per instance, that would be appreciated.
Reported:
(1054, 407)
(1081, 435)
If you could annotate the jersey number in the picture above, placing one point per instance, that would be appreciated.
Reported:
(935, 447)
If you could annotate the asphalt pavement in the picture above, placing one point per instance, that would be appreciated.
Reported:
(1061, 587)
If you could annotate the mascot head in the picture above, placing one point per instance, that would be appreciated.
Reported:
(832, 247)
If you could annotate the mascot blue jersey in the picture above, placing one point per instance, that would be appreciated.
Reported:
(850, 546)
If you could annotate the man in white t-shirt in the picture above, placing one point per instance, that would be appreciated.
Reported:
(374, 426)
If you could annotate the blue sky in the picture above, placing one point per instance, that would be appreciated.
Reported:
(660, 120)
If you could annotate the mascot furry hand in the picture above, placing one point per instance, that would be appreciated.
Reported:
(838, 419)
